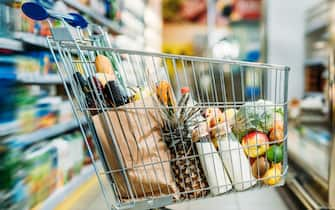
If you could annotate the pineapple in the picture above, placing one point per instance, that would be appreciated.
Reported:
(185, 164)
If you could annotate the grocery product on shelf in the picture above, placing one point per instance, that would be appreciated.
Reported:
(8, 90)
(7, 101)
(41, 167)
(28, 66)
(36, 112)
(70, 156)
(13, 191)
(32, 172)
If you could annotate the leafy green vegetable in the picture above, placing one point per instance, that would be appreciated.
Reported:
(256, 116)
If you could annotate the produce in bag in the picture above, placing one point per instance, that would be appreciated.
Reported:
(260, 128)
(261, 116)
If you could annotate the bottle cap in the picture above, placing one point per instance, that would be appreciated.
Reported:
(184, 90)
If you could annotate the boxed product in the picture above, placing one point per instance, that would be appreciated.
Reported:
(76, 154)
(41, 167)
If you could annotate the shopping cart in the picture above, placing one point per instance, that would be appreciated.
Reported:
(171, 128)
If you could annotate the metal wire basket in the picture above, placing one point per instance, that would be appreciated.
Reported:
(226, 131)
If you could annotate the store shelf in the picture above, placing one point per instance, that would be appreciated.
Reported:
(32, 39)
(135, 7)
(131, 24)
(10, 44)
(318, 17)
(112, 26)
(316, 61)
(301, 152)
(62, 193)
(8, 128)
(243, 21)
(52, 79)
(316, 25)
(44, 133)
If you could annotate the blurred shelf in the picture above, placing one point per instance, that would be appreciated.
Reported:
(64, 192)
(318, 17)
(8, 128)
(11, 44)
(316, 25)
(52, 79)
(32, 39)
(9, 1)
(135, 7)
(311, 157)
(111, 25)
(139, 17)
(313, 119)
(316, 61)
(131, 25)
(44, 133)
(243, 21)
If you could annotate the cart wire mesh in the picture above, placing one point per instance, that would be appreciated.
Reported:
(153, 153)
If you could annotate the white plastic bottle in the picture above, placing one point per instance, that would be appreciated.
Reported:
(217, 177)
(235, 161)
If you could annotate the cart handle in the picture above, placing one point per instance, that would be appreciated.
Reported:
(37, 12)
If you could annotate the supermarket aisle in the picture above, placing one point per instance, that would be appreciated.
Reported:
(259, 199)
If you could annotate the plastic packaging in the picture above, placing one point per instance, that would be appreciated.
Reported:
(235, 161)
(216, 175)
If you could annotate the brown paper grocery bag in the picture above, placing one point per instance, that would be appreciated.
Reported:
(143, 153)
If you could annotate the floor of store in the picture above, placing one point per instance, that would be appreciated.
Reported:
(89, 197)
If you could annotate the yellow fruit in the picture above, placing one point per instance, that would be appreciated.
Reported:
(165, 94)
(103, 65)
(273, 175)
(255, 144)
